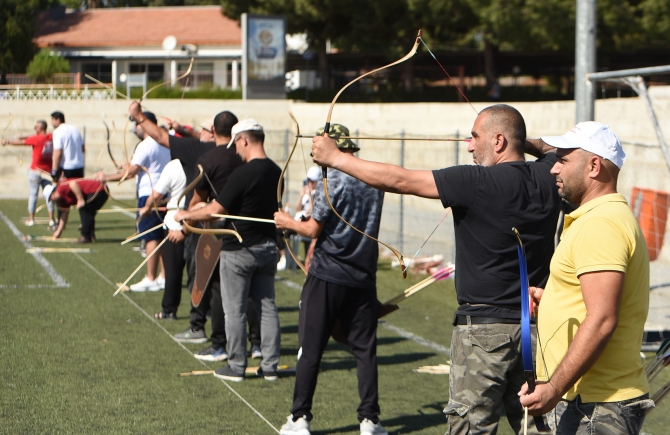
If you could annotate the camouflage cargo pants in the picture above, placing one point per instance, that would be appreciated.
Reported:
(486, 375)
(614, 418)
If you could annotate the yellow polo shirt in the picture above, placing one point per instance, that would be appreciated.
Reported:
(601, 235)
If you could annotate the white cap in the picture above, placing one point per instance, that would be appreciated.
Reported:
(244, 125)
(47, 191)
(593, 137)
(314, 173)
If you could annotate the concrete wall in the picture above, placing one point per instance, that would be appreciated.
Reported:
(644, 166)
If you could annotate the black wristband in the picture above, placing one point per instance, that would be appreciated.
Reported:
(182, 231)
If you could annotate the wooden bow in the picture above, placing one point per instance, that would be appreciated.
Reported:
(279, 194)
(195, 230)
(326, 129)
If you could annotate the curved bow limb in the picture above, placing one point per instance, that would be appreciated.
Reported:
(526, 339)
(188, 71)
(326, 129)
(213, 231)
(279, 194)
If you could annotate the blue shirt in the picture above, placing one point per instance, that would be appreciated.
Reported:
(342, 255)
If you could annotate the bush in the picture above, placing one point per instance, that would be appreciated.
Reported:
(45, 64)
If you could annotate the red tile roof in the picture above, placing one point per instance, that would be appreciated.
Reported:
(125, 27)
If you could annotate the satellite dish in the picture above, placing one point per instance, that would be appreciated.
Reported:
(123, 78)
(169, 43)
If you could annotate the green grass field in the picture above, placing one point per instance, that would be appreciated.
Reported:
(76, 360)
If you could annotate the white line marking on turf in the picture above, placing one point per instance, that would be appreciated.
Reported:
(422, 341)
(402, 332)
(17, 286)
(48, 268)
(127, 213)
(132, 302)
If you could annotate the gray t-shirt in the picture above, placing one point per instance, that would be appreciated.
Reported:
(342, 255)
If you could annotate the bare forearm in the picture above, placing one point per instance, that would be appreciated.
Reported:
(537, 147)
(74, 187)
(388, 178)
(15, 142)
(589, 343)
(157, 133)
(309, 228)
(57, 154)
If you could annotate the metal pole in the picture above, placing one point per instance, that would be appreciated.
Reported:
(286, 133)
(401, 219)
(457, 146)
(585, 60)
(637, 83)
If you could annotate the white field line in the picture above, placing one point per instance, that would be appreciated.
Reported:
(48, 268)
(31, 286)
(124, 212)
(90, 266)
(402, 332)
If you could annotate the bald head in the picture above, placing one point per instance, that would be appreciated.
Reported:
(505, 119)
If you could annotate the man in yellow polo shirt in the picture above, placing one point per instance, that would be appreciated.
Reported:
(595, 304)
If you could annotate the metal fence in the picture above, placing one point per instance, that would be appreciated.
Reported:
(407, 221)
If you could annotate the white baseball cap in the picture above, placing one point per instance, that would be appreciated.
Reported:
(593, 137)
(244, 125)
(47, 191)
(314, 173)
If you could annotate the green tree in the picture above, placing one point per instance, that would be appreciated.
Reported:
(45, 64)
(18, 24)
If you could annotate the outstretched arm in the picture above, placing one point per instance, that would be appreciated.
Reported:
(16, 142)
(382, 176)
(157, 133)
(537, 147)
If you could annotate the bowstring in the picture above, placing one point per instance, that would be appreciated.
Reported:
(450, 78)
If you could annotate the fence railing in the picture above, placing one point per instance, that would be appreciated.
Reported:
(57, 79)
(54, 92)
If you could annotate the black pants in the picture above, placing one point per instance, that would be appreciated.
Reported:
(211, 302)
(321, 304)
(88, 211)
(74, 173)
(173, 258)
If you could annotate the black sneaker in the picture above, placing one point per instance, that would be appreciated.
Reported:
(228, 374)
(269, 376)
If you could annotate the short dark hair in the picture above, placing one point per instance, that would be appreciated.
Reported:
(510, 122)
(255, 136)
(223, 123)
(42, 124)
(150, 116)
(58, 115)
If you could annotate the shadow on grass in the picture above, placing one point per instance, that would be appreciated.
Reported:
(288, 309)
(403, 424)
(349, 363)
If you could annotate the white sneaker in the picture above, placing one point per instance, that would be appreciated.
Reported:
(370, 428)
(298, 427)
(52, 223)
(29, 223)
(161, 282)
(281, 265)
(145, 285)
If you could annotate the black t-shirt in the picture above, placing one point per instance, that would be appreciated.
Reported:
(217, 165)
(251, 191)
(188, 150)
(486, 203)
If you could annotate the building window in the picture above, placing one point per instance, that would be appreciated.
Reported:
(201, 74)
(101, 71)
(155, 71)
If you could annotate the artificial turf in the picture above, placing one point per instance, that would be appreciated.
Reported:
(76, 360)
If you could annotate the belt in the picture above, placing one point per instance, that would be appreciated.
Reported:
(460, 319)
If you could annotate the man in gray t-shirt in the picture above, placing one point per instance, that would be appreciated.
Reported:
(341, 285)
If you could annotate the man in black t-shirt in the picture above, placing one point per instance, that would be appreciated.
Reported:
(487, 200)
(247, 268)
(189, 151)
(341, 285)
